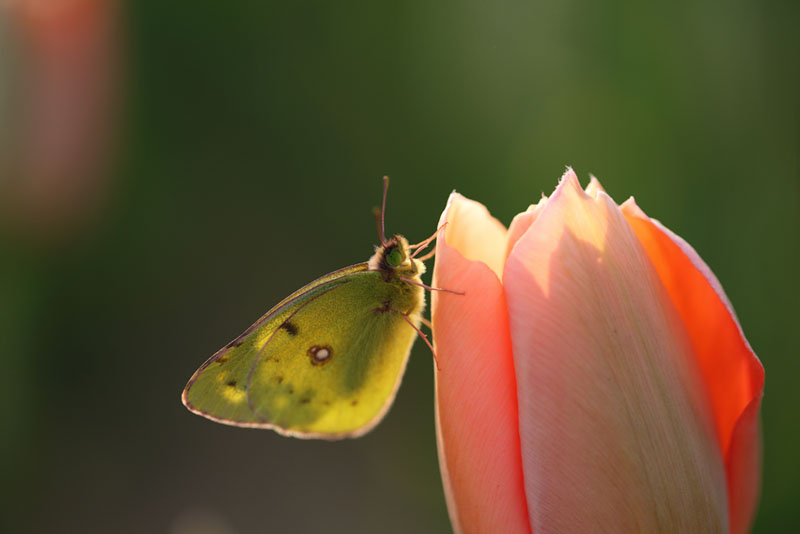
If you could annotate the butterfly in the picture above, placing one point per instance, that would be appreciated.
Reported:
(325, 362)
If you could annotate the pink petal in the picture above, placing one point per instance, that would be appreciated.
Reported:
(476, 402)
(522, 222)
(474, 233)
(732, 374)
(616, 432)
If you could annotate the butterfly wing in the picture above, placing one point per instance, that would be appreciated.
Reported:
(325, 362)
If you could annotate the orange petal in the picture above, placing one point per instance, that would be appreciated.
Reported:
(476, 402)
(732, 374)
(616, 433)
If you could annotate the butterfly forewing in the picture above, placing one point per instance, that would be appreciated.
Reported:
(326, 362)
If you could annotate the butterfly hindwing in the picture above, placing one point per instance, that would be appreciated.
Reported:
(326, 362)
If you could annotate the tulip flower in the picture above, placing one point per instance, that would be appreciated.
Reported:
(593, 377)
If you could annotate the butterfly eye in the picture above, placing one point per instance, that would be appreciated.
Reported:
(395, 257)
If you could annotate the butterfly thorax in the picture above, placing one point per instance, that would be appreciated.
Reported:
(402, 275)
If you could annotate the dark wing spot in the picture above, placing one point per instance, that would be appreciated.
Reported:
(235, 343)
(221, 359)
(354, 402)
(305, 401)
(387, 306)
(278, 379)
(326, 403)
(290, 328)
(291, 390)
(231, 383)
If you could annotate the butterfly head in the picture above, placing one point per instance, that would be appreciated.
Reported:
(393, 257)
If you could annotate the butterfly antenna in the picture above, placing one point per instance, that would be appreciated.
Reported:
(377, 213)
(383, 210)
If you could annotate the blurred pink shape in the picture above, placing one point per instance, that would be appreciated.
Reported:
(62, 104)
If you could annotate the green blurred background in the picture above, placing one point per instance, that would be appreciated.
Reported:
(247, 145)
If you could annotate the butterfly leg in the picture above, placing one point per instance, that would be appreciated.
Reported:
(429, 288)
(387, 307)
(423, 336)
(428, 256)
(418, 247)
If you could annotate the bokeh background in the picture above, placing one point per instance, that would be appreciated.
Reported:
(169, 170)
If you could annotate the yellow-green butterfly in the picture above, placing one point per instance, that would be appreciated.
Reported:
(325, 362)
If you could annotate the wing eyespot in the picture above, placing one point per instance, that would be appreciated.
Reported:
(320, 354)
